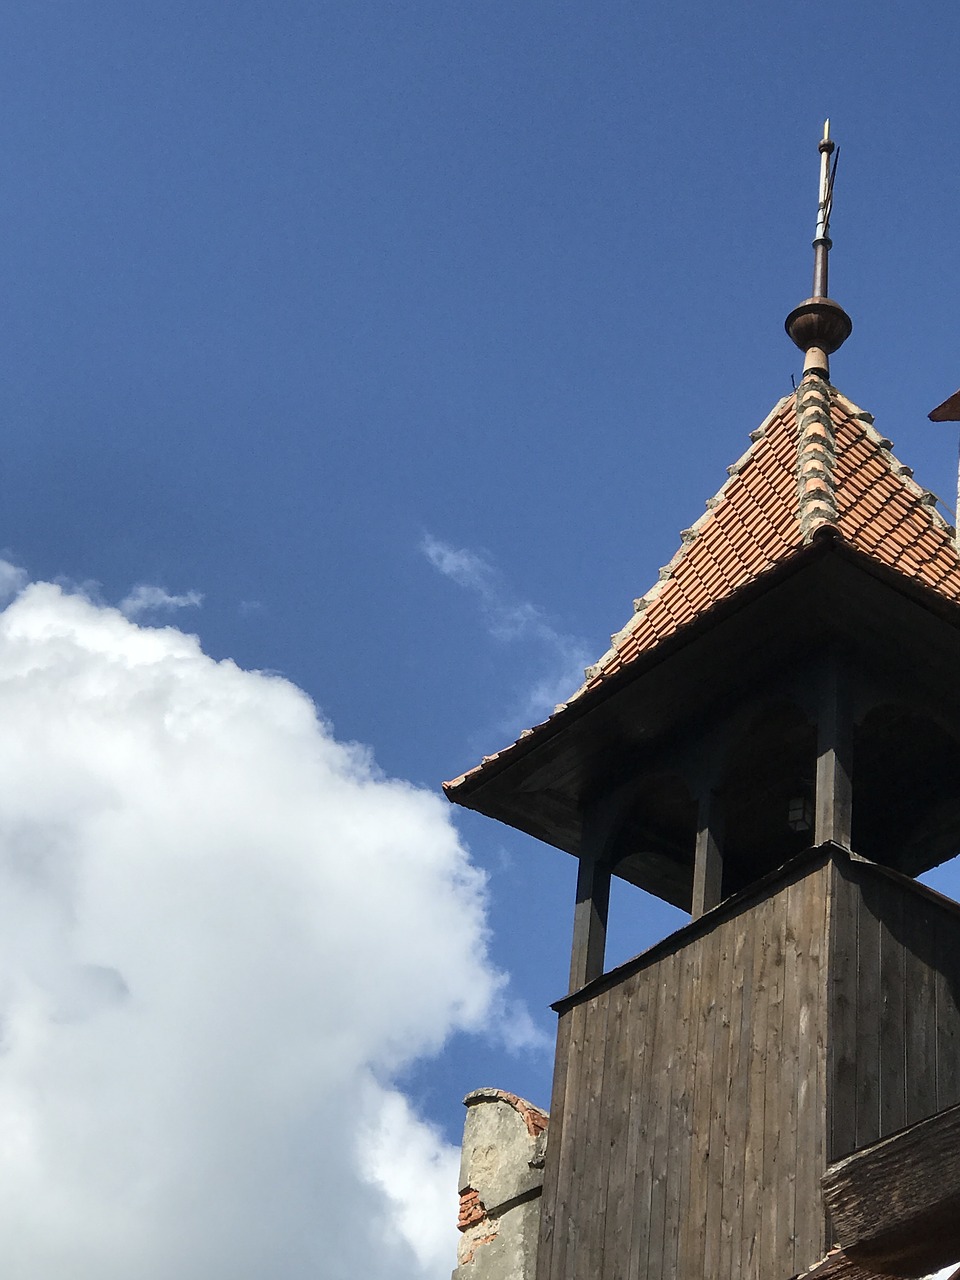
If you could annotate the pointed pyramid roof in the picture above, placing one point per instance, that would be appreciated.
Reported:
(815, 467)
(817, 462)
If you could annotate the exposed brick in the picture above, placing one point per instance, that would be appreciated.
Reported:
(472, 1209)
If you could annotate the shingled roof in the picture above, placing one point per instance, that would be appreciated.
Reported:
(816, 463)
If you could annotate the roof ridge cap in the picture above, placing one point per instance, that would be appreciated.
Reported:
(816, 457)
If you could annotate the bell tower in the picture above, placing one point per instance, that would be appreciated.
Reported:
(772, 742)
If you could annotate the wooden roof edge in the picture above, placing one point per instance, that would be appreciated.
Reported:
(948, 411)
(909, 883)
(920, 593)
(895, 1205)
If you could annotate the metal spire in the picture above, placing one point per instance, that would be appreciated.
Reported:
(822, 244)
(819, 326)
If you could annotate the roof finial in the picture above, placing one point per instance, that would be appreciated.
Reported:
(819, 326)
(822, 244)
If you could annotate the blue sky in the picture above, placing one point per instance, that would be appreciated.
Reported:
(410, 336)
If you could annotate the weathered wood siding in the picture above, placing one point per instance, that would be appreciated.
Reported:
(894, 1022)
(688, 1121)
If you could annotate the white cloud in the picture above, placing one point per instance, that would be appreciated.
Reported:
(416, 1171)
(465, 567)
(560, 659)
(12, 580)
(221, 933)
(149, 599)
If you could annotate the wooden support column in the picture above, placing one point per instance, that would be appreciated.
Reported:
(708, 863)
(589, 922)
(834, 804)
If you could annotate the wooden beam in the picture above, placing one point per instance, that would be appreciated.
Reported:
(895, 1205)
(589, 922)
(834, 802)
(708, 861)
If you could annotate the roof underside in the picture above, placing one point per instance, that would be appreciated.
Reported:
(816, 463)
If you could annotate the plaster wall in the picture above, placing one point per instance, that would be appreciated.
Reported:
(501, 1180)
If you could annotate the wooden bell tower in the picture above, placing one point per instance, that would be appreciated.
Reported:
(772, 742)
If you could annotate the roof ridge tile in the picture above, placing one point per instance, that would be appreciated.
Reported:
(816, 456)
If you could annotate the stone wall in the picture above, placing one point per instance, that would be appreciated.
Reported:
(501, 1181)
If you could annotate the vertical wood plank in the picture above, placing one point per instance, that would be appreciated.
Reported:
(609, 1186)
(893, 1078)
(756, 1073)
(548, 1200)
(566, 1150)
(702, 1211)
(725, 1026)
(592, 1139)
(735, 1113)
(921, 1028)
(663, 1081)
(868, 1010)
(797, 924)
(842, 1016)
(948, 1010)
(622, 1180)
(813, 1000)
(643, 1112)
(777, 1104)
(679, 1225)
(696, 1016)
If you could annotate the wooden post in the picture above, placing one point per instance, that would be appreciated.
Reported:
(834, 760)
(708, 863)
(589, 922)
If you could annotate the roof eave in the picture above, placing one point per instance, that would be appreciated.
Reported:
(466, 789)
(460, 790)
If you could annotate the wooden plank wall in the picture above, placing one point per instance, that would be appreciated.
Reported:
(688, 1119)
(894, 1022)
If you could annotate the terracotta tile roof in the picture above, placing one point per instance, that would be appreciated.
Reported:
(816, 462)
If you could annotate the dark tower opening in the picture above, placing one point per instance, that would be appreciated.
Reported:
(766, 796)
(906, 780)
(658, 829)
